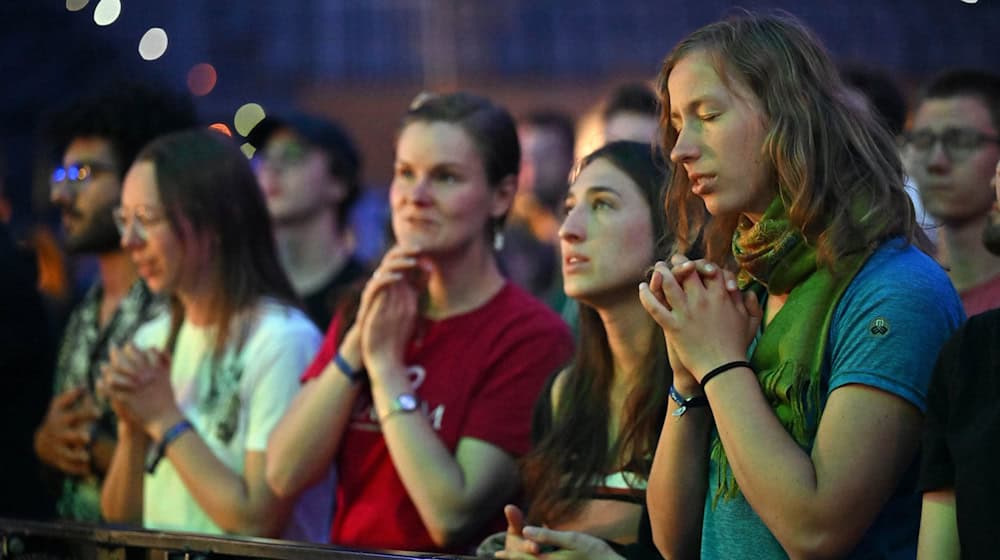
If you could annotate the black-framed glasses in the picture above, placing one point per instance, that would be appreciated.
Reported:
(140, 219)
(78, 174)
(958, 143)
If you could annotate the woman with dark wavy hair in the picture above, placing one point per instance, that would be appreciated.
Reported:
(597, 423)
(423, 399)
(796, 409)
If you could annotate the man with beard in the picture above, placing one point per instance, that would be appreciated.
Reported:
(951, 151)
(958, 471)
(309, 170)
(97, 138)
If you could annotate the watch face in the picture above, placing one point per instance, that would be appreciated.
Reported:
(407, 402)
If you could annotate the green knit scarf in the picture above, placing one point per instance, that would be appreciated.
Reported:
(773, 256)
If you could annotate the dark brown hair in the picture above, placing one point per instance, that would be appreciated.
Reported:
(834, 165)
(206, 182)
(966, 82)
(127, 114)
(560, 471)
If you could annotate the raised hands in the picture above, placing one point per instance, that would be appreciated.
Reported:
(706, 320)
(388, 310)
(137, 383)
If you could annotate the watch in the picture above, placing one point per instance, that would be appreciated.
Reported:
(405, 403)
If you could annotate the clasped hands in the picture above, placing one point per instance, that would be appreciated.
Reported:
(706, 320)
(388, 311)
(137, 384)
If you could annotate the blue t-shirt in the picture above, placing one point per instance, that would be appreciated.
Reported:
(886, 332)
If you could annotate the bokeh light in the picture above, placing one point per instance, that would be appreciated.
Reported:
(201, 79)
(221, 127)
(248, 150)
(153, 44)
(76, 5)
(970, 1)
(247, 117)
(107, 12)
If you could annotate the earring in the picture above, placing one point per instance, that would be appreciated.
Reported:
(498, 239)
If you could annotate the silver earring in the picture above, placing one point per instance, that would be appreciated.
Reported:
(498, 239)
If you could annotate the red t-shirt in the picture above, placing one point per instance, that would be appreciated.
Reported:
(477, 375)
(981, 297)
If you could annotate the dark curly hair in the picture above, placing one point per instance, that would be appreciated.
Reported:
(127, 114)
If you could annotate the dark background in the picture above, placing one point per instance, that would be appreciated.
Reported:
(361, 61)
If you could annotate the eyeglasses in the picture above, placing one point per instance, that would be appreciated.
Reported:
(141, 219)
(958, 143)
(76, 175)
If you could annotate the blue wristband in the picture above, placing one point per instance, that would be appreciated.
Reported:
(684, 404)
(345, 368)
(172, 434)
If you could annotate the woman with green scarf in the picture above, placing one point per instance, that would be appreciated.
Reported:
(800, 378)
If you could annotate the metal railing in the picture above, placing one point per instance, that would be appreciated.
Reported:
(32, 540)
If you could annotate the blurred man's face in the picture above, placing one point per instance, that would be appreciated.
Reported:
(86, 188)
(295, 177)
(951, 157)
(545, 164)
(628, 125)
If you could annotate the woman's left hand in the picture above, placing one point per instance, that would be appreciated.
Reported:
(138, 381)
(388, 326)
(570, 545)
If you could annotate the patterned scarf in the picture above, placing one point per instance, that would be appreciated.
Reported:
(773, 256)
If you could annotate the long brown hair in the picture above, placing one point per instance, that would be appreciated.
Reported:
(835, 167)
(205, 181)
(561, 469)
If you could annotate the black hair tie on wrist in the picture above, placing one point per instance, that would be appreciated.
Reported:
(724, 368)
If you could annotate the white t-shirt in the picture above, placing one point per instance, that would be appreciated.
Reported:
(233, 407)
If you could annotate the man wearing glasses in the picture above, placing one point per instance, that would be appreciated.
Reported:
(951, 152)
(96, 140)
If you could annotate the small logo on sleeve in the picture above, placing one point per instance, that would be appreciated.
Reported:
(879, 327)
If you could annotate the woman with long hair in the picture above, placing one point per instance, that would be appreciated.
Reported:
(817, 379)
(423, 399)
(597, 423)
(202, 387)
